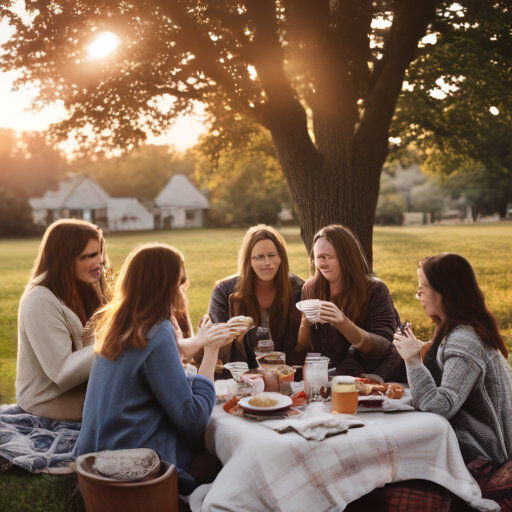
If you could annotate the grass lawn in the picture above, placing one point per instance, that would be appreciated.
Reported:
(212, 254)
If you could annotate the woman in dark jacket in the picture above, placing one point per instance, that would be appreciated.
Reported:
(357, 318)
(263, 289)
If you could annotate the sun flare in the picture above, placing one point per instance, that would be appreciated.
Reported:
(104, 44)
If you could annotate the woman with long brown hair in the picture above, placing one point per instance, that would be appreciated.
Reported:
(263, 289)
(357, 319)
(139, 395)
(475, 388)
(67, 285)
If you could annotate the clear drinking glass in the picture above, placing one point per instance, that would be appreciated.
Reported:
(315, 376)
(263, 340)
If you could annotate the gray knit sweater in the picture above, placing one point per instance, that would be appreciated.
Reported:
(475, 394)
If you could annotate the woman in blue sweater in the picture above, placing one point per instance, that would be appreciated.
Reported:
(138, 394)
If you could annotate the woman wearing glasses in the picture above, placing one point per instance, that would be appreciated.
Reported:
(475, 390)
(263, 289)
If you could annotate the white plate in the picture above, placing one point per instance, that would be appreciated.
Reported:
(283, 401)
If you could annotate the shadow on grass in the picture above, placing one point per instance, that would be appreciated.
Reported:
(22, 491)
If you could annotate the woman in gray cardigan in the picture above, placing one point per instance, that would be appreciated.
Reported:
(475, 391)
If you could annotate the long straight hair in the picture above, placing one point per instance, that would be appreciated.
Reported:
(55, 266)
(355, 273)
(462, 301)
(244, 292)
(147, 292)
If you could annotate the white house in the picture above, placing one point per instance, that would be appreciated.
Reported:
(181, 204)
(127, 214)
(82, 198)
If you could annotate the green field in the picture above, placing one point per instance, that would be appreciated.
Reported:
(212, 254)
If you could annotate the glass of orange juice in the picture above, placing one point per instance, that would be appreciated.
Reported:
(344, 394)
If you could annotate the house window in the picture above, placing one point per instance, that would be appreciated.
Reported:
(190, 214)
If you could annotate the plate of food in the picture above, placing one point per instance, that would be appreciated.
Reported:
(265, 402)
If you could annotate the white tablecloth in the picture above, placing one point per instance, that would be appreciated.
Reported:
(264, 470)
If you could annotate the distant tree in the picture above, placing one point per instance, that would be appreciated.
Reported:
(29, 164)
(429, 197)
(246, 183)
(390, 207)
(484, 192)
(404, 173)
(458, 107)
(141, 173)
(15, 215)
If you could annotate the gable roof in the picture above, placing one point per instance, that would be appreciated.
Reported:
(181, 193)
(75, 194)
(121, 208)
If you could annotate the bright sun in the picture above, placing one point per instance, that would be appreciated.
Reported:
(105, 43)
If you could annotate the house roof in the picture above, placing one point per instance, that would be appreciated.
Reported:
(75, 194)
(181, 193)
(125, 208)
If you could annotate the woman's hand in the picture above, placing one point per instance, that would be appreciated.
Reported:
(330, 313)
(218, 335)
(408, 346)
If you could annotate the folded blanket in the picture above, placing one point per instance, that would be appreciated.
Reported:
(34, 443)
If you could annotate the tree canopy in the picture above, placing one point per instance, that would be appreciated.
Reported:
(323, 76)
(465, 127)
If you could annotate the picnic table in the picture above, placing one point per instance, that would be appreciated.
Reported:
(267, 470)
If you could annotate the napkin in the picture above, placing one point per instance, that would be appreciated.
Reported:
(230, 387)
(316, 423)
(226, 387)
(401, 404)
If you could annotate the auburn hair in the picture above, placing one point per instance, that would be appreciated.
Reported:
(355, 273)
(55, 266)
(244, 293)
(147, 292)
(463, 302)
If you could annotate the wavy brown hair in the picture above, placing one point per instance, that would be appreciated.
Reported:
(147, 292)
(354, 273)
(244, 292)
(463, 302)
(55, 266)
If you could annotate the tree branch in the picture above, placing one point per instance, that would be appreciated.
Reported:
(200, 44)
(410, 23)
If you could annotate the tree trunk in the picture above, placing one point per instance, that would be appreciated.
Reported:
(333, 189)
(334, 181)
(336, 178)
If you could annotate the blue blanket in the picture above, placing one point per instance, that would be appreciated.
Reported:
(34, 443)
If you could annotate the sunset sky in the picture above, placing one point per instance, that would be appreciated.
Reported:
(15, 108)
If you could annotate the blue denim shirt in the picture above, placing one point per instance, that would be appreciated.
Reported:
(143, 399)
